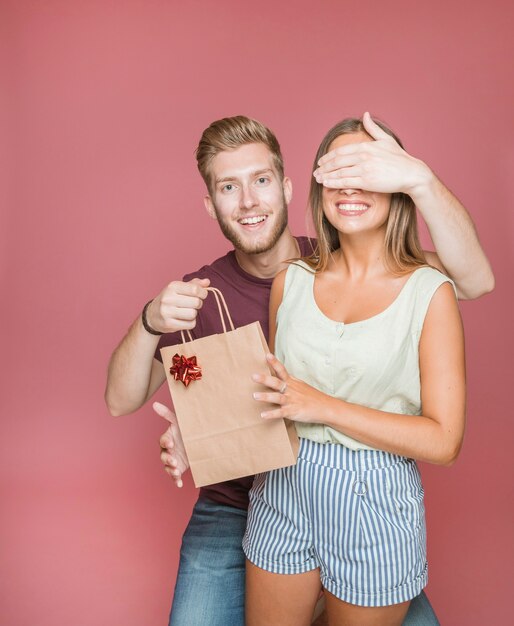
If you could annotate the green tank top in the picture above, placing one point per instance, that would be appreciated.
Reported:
(374, 362)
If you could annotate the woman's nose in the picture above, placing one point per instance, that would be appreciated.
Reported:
(349, 192)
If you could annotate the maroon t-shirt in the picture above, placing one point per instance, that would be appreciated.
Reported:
(248, 299)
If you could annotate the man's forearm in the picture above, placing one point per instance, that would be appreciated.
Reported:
(132, 375)
(455, 238)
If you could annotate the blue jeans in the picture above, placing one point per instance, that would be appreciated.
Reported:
(210, 587)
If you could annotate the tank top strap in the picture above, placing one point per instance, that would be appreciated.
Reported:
(299, 276)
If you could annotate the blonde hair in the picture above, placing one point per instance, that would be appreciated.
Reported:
(402, 247)
(231, 133)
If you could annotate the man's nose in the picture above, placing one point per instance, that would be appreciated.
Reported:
(248, 198)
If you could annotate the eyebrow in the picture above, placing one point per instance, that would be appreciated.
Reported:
(228, 179)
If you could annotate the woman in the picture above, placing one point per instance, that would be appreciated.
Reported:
(370, 366)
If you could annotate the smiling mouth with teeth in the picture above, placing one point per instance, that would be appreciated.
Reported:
(352, 208)
(253, 220)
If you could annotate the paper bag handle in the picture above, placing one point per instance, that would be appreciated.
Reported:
(223, 311)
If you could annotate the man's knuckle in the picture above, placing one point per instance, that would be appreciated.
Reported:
(188, 314)
(169, 325)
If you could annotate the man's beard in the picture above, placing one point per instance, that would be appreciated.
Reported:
(259, 245)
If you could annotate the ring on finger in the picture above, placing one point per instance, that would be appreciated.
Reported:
(283, 388)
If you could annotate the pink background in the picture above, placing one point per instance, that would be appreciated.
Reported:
(102, 105)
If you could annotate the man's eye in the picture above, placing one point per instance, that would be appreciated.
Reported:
(227, 187)
(262, 180)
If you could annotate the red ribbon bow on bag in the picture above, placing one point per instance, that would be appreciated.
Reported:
(185, 369)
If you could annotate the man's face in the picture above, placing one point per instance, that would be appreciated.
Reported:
(248, 199)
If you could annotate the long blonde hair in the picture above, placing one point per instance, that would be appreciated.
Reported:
(403, 250)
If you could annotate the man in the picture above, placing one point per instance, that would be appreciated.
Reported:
(248, 194)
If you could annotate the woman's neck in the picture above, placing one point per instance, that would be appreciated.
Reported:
(360, 255)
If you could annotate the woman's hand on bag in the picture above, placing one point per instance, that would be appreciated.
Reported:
(173, 452)
(298, 401)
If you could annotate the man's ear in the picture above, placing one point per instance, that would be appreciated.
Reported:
(209, 207)
(287, 186)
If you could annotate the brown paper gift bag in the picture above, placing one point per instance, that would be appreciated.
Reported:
(224, 435)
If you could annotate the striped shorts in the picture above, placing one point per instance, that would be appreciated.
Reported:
(358, 516)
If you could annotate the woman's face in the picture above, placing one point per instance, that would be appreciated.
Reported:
(353, 211)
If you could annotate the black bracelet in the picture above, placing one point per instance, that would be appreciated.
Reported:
(146, 325)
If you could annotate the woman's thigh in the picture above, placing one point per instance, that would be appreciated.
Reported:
(280, 599)
(340, 612)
